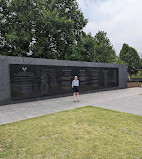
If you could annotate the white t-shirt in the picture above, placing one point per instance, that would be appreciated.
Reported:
(75, 83)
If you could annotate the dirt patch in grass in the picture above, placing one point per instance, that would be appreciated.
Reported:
(82, 133)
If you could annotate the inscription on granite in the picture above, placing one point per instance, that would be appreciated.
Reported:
(29, 81)
(23, 81)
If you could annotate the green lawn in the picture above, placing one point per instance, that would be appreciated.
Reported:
(82, 133)
(136, 76)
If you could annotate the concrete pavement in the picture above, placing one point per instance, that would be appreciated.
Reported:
(125, 100)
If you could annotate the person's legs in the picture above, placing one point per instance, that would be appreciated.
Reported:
(78, 96)
(74, 96)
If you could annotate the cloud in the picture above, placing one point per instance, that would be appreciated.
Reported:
(121, 19)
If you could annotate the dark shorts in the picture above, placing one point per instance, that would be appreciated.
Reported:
(75, 89)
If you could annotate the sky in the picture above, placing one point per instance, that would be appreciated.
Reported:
(121, 19)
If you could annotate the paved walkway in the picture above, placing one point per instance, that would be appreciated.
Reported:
(124, 100)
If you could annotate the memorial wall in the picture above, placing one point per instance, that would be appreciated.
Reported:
(36, 81)
(29, 78)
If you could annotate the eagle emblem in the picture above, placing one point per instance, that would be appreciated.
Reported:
(24, 69)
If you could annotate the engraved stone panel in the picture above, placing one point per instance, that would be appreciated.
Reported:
(29, 81)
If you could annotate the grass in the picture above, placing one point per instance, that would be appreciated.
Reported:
(136, 76)
(82, 133)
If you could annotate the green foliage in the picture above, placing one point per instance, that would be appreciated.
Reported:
(85, 48)
(16, 24)
(138, 75)
(104, 51)
(95, 49)
(130, 56)
(140, 63)
(50, 29)
(118, 60)
(47, 28)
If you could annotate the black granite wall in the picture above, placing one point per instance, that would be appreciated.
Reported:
(28, 78)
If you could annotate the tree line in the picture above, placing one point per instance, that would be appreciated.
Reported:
(53, 29)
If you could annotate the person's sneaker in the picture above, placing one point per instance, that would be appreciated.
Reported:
(78, 101)
(74, 101)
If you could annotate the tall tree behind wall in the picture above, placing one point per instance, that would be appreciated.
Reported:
(95, 49)
(130, 56)
(84, 49)
(104, 51)
(47, 28)
(16, 20)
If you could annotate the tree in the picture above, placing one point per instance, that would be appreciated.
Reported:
(130, 56)
(47, 28)
(118, 60)
(104, 51)
(84, 49)
(141, 64)
(92, 49)
(16, 24)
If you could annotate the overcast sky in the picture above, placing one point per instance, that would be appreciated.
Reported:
(121, 19)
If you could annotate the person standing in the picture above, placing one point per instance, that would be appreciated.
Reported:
(75, 86)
